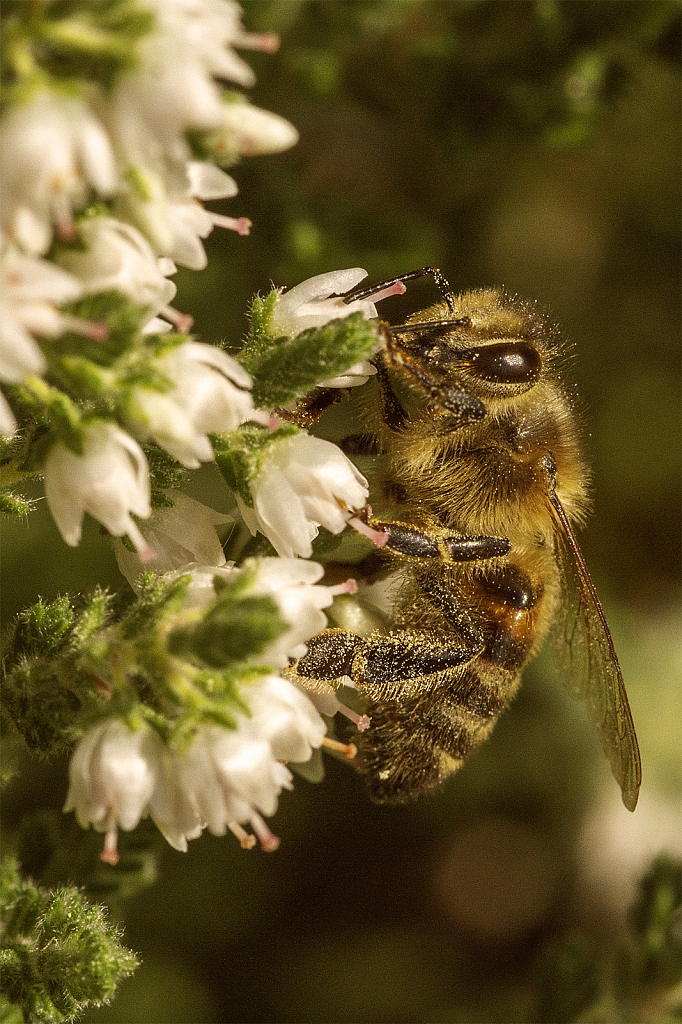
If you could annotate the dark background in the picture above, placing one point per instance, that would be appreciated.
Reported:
(535, 145)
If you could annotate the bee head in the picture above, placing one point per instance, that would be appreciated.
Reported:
(490, 345)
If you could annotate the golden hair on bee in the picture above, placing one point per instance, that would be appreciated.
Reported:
(479, 476)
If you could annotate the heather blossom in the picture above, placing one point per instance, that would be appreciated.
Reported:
(315, 302)
(303, 483)
(110, 480)
(54, 154)
(210, 395)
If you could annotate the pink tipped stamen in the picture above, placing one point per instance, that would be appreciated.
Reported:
(145, 553)
(377, 537)
(63, 217)
(395, 289)
(267, 839)
(349, 587)
(266, 42)
(361, 722)
(93, 329)
(242, 225)
(246, 840)
(109, 854)
(181, 321)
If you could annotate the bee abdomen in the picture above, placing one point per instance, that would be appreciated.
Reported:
(511, 604)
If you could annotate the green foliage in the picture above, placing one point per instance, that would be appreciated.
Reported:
(94, 40)
(285, 368)
(234, 628)
(577, 981)
(240, 454)
(58, 954)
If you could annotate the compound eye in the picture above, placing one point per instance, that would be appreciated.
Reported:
(509, 362)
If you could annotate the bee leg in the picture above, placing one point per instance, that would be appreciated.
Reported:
(396, 665)
(462, 407)
(310, 407)
(405, 539)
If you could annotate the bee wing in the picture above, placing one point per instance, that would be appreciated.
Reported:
(593, 673)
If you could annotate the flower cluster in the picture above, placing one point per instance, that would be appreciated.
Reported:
(224, 779)
(103, 179)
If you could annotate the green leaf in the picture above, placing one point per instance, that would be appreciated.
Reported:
(288, 367)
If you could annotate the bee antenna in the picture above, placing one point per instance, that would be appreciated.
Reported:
(433, 272)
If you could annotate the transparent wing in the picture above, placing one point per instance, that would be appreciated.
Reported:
(592, 669)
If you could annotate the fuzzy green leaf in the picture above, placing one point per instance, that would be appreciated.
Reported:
(289, 367)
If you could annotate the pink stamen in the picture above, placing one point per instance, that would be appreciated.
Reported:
(266, 42)
(145, 553)
(181, 321)
(63, 217)
(93, 329)
(361, 722)
(377, 537)
(349, 587)
(395, 289)
(246, 840)
(242, 225)
(109, 854)
(268, 841)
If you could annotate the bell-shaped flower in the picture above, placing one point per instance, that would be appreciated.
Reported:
(118, 257)
(210, 29)
(118, 775)
(170, 213)
(54, 154)
(292, 583)
(303, 483)
(110, 480)
(283, 715)
(30, 291)
(182, 536)
(250, 131)
(211, 395)
(231, 777)
(315, 302)
(113, 773)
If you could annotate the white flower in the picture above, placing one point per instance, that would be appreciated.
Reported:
(30, 288)
(210, 396)
(110, 480)
(170, 215)
(209, 29)
(250, 131)
(8, 424)
(53, 153)
(290, 582)
(181, 537)
(303, 483)
(113, 772)
(315, 302)
(118, 257)
(118, 776)
(285, 717)
(151, 109)
(231, 777)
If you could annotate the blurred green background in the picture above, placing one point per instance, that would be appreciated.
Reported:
(530, 144)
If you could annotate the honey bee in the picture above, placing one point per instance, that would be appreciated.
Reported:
(482, 476)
